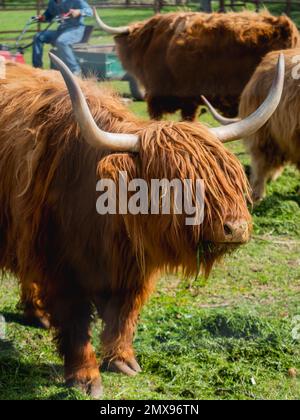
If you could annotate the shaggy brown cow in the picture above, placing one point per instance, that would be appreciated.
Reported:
(68, 257)
(278, 142)
(179, 56)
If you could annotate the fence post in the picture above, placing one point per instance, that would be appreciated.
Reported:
(38, 12)
(257, 5)
(158, 4)
(288, 7)
(222, 6)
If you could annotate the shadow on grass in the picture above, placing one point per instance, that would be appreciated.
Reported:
(18, 318)
(275, 204)
(20, 380)
(13, 317)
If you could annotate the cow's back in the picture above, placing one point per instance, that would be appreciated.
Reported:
(196, 53)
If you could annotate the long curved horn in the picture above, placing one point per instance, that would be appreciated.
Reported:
(120, 30)
(218, 117)
(91, 132)
(255, 121)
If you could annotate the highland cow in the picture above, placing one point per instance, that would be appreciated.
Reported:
(277, 143)
(178, 57)
(67, 257)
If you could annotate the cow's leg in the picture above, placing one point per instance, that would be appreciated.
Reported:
(189, 110)
(263, 170)
(34, 316)
(70, 314)
(258, 180)
(120, 316)
(267, 162)
(29, 302)
(155, 110)
(276, 173)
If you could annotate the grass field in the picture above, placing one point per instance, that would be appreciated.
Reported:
(232, 337)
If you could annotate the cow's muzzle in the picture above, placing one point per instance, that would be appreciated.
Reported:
(237, 232)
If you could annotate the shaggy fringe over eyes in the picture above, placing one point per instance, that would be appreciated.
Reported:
(188, 151)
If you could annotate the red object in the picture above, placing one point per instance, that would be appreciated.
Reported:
(17, 58)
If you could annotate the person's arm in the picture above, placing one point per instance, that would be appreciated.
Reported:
(84, 8)
(48, 15)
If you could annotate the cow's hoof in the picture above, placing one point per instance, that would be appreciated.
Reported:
(257, 197)
(257, 201)
(129, 367)
(95, 389)
(92, 388)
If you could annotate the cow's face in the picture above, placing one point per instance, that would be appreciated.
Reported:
(189, 151)
(183, 151)
(227, 222)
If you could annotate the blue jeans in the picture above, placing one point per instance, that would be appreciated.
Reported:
(62, 39)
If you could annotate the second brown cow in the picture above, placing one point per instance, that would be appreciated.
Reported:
(179, 56)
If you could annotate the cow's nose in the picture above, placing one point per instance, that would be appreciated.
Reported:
(237, 232)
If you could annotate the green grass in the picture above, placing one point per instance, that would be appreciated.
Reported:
(193, 341)
(227, 338)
